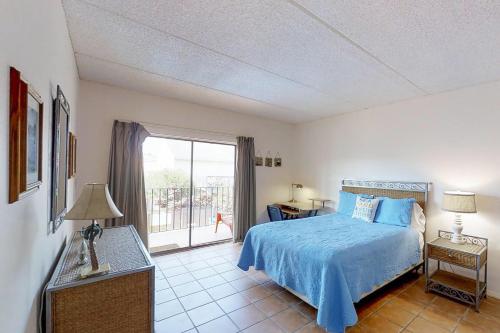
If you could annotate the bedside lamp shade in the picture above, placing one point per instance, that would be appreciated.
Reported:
(94, 203)
(459, 202)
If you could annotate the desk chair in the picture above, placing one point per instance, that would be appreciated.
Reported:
(312, 213)
(275, 213)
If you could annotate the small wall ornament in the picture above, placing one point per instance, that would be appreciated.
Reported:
(269, 160)
(277, 160)
(259, 161)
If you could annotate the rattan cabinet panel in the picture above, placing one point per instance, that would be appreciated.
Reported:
(121, 301)
(453, 257)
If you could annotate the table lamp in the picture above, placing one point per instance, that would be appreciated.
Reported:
(459, 202)
(295, 186)
(94, 203)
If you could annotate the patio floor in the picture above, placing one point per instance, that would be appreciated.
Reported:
(175, 239)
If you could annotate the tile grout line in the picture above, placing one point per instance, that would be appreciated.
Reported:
(182, 305)
(238, 292)
(387, 302)
(251, 303)
(203, 289)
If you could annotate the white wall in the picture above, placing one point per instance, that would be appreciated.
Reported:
(101, 104)
(450, 139)
(35, 40)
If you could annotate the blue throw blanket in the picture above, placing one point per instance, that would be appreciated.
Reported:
(332, 259)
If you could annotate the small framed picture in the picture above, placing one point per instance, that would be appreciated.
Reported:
(259, 161)
(72, 156)
(25, 139)
(277, 162)
(269, 162)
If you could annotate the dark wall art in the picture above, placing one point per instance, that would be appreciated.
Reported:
(60, 148)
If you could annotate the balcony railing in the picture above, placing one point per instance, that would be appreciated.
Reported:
(168, 208)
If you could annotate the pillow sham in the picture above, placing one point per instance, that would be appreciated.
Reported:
(418, 222)
(365, 209)
(347, 202)
(395, 211)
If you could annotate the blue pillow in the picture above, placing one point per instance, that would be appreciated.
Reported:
(395, 211)
(347, 202)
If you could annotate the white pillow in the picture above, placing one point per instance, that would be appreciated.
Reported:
(365, 209)
(418, 222)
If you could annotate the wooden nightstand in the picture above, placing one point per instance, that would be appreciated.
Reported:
(471, 255)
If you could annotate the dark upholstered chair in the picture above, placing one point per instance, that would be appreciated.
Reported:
(275, 213)
(312, 213)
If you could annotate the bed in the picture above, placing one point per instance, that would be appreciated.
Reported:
(333, 261)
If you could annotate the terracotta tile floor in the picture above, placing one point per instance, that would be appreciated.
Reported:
(203, 291)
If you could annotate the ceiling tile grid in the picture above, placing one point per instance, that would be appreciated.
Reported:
(274, 36)
(438, 45)
(300, 59)
(140, 47)
(113, 74)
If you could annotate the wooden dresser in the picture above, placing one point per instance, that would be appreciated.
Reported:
(120, 301)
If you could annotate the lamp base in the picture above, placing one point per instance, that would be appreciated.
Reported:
(457, 228)
(87, 271)
(457, 239)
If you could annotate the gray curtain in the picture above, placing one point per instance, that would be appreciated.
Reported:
(126, 176)
(245, 212)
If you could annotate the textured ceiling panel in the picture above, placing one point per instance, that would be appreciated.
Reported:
(114, 39)
(292, 60)
(122, 76)
(277, 37)
(438, 45)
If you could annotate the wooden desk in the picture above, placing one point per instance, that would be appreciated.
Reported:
(321, 200)
(295, 209)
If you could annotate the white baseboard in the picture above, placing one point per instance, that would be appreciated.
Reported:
(493, 293)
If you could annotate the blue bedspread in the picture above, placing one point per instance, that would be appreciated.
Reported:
(331, 259)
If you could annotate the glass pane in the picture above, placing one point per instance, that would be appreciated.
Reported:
(213, 184)
(167, 174)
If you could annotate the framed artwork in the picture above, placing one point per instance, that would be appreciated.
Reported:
(60, 148)
(72, 156)
(277, 160)
(25, 138)
(259, 161)
(268, 162)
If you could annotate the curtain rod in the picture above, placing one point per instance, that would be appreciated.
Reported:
(178, 127)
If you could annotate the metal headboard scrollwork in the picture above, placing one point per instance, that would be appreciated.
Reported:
(391, 189)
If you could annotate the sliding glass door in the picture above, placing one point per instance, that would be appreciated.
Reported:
(213, 180)
(189, 192)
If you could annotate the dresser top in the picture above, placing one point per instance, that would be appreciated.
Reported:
(121, 247)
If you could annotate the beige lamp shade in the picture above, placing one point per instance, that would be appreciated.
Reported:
(459, 202)
(94, 203)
